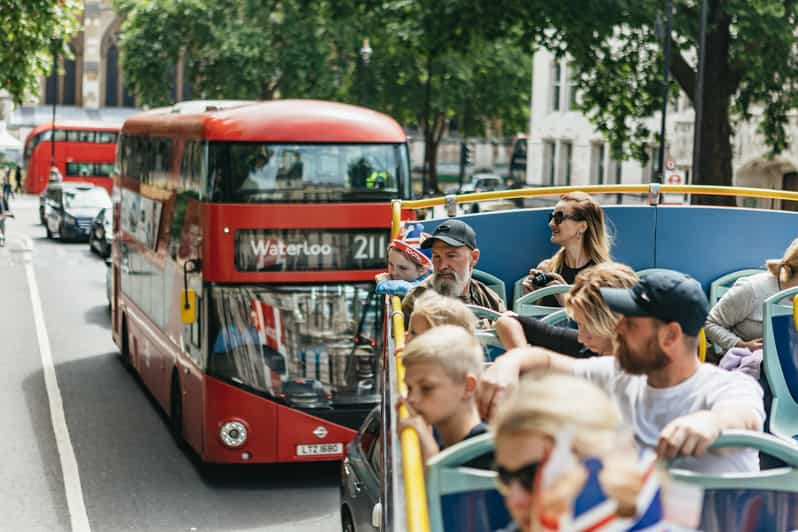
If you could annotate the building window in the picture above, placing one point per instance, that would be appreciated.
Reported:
(556, 74)
(572, 78)
(598, 161)
(112, 77)
(549, 162)
(566, 157)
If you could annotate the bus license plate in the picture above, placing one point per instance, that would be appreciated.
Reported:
(319, 449)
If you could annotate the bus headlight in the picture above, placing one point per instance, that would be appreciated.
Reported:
(233, 434)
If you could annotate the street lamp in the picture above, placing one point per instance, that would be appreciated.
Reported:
(365, 54)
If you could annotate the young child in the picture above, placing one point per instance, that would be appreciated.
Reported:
(407, 265)
(432, 309)
(442, 369)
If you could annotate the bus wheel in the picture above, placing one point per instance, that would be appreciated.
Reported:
(176, 409)
(125, 354)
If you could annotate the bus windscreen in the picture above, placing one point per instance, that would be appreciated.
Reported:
(312, 346)
(264, 173)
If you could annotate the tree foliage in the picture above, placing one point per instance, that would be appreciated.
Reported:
(233, 49)
(30, 28)
(751, 62)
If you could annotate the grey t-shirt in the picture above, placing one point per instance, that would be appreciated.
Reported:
(648, 410)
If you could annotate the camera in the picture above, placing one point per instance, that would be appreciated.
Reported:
(542, 279)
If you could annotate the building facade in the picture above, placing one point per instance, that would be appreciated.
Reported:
(565, 149)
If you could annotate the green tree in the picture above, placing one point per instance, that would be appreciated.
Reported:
(430, 66)
(29, 29)
(750, 61)
(233, 49)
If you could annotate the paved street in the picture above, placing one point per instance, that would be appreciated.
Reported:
(132, 475)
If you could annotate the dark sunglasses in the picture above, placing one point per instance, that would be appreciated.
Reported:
(525, 475)
(559, 216)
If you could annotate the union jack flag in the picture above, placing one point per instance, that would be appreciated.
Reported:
(593, 510)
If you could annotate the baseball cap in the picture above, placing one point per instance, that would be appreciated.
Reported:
(454, 233)
(667, 295)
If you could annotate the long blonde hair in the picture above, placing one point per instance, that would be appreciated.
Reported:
(786, 268)
(551, 403)
(585, 296)
(596, 242)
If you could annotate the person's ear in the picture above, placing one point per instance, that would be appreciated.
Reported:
(471, 383)
(474, 257)
(669, 334)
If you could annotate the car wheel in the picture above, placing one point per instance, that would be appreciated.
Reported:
(47, 228)
(347, 525)
(61, 231)
(41, 217)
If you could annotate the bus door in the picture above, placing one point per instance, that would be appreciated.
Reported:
(191, 367)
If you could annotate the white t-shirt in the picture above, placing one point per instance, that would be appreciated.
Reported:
(648, 410)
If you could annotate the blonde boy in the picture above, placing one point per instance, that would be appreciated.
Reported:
(442, 369)
(432, 309)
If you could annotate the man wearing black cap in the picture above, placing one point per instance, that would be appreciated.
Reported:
(674, 403)
(454, 256)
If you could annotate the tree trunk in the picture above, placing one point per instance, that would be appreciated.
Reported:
(715, 161)
(431, 160)
(720, 83)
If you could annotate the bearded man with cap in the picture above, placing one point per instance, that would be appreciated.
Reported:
(454, 256)
(673, 402)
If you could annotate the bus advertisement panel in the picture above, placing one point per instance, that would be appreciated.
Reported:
(83, 151)
(268, 221)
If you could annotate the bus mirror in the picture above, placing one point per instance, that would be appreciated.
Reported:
(188, 306)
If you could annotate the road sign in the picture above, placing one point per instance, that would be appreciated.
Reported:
(675, 178)
(670, 164)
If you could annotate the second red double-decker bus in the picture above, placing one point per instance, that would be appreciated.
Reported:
(83, 151)
(263, 224)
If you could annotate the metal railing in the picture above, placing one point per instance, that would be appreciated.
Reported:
(412, 463)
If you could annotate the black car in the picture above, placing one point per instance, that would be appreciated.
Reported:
(70, 208)
(361, 471)
(101, 234)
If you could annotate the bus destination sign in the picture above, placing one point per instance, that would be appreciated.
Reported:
(298, 250)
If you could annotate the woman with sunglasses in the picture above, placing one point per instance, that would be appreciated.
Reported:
(577, 225)
(526, 428)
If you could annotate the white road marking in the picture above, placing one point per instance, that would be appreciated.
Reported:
(78, 517)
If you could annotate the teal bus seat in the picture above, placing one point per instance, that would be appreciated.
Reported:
(525, 305)
(492, 282)
(463, 498)
(484, 312)
(559, 318)
(721, 285)
(648, 271)
(518, 288)
(760, 501)
(491, 344)
(780, 361)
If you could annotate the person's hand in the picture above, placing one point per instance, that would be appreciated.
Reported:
(527, 284)
(751, 345)
(413, 420)
(496, 382)
(688, 435)
(380, 277)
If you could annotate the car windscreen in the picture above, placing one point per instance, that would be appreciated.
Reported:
(94, 197)
(245, 172)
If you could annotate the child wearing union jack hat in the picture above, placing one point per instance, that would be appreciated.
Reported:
(407, 264)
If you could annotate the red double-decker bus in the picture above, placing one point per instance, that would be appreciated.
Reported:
(247, 243)
(84, 151)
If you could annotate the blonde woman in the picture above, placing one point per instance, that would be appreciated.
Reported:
(432, 309)
(585, 306)
(526, 429)
(736, 320)
(577, 226)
